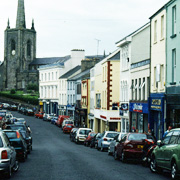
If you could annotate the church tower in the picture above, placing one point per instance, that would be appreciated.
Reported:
(19, 51)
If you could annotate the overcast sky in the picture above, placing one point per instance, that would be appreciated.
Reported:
(63, 25)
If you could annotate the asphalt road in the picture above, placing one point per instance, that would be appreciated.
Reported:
(54, 156)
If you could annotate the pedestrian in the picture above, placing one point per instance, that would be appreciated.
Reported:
(169, 128)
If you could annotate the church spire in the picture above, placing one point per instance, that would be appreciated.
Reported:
(8, 24)
(32, 24)
(20, 21)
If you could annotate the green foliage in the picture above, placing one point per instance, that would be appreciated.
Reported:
(33, 87)
(13, 91)
(27, 98)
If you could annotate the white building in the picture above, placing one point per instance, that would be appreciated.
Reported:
(50, 86)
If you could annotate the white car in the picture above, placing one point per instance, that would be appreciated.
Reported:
(81, 134)
(8, 160)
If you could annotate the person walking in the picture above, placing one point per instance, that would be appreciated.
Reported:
(166, 132)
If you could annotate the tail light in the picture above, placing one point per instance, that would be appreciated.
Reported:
(18, 135)
(4, 155)
(105, 139)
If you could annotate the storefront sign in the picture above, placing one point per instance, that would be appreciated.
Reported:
(138, 107)
(40, 103)
(156, 104)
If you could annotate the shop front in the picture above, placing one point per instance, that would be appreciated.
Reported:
(173, 111)
(70, 111)
(156, 115)
(81, 117)
(138, 116)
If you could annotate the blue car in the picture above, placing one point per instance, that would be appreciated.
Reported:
(106, 139)
(54, 120)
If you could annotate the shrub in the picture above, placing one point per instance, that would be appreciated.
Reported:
(34, 87)
(13, 91)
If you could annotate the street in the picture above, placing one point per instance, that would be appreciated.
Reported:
(54, 156)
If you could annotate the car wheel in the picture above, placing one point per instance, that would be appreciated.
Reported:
(115, 155)
(174, 171)
(16, 166)
(153, 165)
(76, 141)
(102, 149)
(123, 158)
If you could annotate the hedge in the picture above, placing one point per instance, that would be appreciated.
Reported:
(28, 99)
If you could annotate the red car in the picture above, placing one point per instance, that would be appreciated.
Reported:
(60, 120)
(39, 115)
(130, 147)
(90, 136)
(67, 128)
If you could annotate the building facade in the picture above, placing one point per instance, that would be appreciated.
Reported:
(157, 108)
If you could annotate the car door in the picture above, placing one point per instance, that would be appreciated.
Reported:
(112, 144)
(170, 149)
(160, 152)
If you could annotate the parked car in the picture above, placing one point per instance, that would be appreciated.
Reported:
(29, 112)
(28, 139)
(131, 146)
(107, 137)
(73, 134)
(67, 128)
(47, 117)
(95, 139)
(113, 144)
(17, 141)
(54, 120)
(13, 107)
(39, 115)
(81, 134)
(60, 120)
(8, 161)
(67, 121)
(88, 139)
(166, 155)
(5, 105)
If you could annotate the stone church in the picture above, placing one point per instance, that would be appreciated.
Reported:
(20, 63)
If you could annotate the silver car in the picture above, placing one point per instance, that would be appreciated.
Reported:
(8, 160)
(117, 138)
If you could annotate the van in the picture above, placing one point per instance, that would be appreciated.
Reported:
(60, 120)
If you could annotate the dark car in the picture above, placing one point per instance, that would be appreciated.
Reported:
(18, 143)
(73, 134)
(21, 110)
(13, 107)
(131, 146)
(89, 138)
(28, 139)
(94, 141)
(28, 112)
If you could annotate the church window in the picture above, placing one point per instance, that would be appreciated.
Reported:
(13, 45)
(29, 48)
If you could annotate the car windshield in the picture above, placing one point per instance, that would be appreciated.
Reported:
(137, 137)
(69, 122)
(11, 135)
(18, 127)
(84, 132)
(69, 126)
(111, 135)
(1, 143)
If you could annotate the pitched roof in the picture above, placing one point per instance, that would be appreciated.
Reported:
(82, 75)
(50, 60)
(71, 72)
(115, 57)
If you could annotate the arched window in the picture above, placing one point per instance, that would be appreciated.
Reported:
(29, 48)
(13, 45)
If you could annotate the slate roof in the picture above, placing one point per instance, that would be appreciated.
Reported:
(82, 75)
(71, 72)
(100, 57)
(115, 57)
(50, 60)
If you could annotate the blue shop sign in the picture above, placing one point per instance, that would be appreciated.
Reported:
(139, 107)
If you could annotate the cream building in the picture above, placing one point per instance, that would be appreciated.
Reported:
(106, 89)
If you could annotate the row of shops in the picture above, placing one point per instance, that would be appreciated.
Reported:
(156, 114)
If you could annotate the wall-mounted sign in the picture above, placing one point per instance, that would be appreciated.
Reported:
(124, 107)
(139, 107)
(156, 104)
